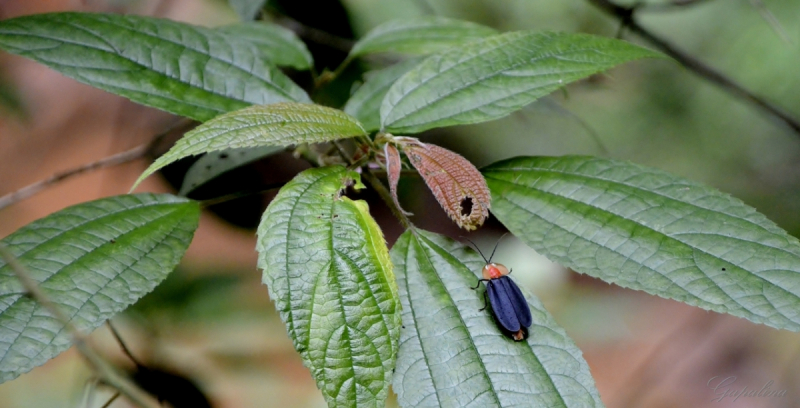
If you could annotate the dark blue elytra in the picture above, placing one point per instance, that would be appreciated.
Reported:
(509, 307)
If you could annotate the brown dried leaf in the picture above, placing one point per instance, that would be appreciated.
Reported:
(458, 186)
(393, 167)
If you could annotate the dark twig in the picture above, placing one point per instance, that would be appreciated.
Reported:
(113, 160)
(104, 370)
(667, 5)
(316, 35)
(122, 344)
(31, 189)
(241, 194)
(626, 17)
(111, 400)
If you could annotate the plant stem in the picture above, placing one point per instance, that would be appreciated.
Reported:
(386, 197)
(113, 160)
(626, 16)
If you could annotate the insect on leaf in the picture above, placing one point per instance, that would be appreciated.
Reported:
(452, 353)
(455, 182)
(646, 229)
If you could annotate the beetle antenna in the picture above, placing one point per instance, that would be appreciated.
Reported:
(477, 249)
(495, 248)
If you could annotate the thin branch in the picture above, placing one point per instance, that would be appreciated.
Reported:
(241, 194)
(111, 400)
(104, 370)
(667, 6)
(315, 35)
(32, 189)
(113, 160)
(626, 17)
(122, 345)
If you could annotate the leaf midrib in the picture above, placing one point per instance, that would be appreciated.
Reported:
(104, 286)
(197, 52)
(455, 90)
(38, 307)
(584, 177)
(484, 370)
(697, 267)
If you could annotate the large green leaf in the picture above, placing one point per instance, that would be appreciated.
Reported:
(214, 164)
(278, 124)
(365, 103)
(419, 35)
(278, 45)
(92, 260)
(453, 355)
(327, 268)
(649, 230)
(490, 78)
(183, 69)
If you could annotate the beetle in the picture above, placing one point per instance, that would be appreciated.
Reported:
(509, 307)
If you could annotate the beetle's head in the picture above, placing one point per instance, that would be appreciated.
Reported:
(494, 271)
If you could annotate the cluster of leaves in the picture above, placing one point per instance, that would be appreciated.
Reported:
(340, 291)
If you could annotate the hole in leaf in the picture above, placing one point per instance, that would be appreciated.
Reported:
(466, 206)
(223, 156)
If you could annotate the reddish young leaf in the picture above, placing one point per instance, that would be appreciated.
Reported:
(455, 182)
(393, 167)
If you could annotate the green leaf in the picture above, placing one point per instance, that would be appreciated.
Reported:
(365, 103)
(490, 78)
(327, 268)
(277, 45)
(278, 124)
(180, 68)
(246, 9)
(648, 230)
(92, 260)
(419, 36)
(453, 355)
(214, 164)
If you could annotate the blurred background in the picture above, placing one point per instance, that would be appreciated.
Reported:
(212, 322)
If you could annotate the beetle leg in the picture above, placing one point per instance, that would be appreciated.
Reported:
(479, 283)
(485, 301)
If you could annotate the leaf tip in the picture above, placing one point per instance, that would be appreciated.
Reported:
(457, 185)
